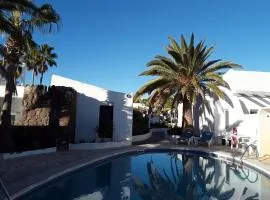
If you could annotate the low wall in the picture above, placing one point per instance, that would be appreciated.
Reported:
(81, 146)
(28, 153)
(159, 129)
(103, 145)
(139, 138)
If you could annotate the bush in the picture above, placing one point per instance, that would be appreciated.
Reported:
(140, 123)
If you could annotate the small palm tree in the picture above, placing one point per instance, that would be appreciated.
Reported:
(47, 59)
(185, 76)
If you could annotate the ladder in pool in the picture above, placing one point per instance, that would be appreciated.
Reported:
(3, 191)
(247, 148)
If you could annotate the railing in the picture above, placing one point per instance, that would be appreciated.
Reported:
(240, 172)
(247, 147)
(3, 191)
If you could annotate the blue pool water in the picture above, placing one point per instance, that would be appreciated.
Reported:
(158, 176)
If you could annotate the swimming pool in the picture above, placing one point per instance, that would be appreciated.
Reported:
(158, 176)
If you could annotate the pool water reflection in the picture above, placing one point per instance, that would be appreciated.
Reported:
(158, 176)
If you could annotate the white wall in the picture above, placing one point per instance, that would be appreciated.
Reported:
(244, 96)
(264, 132)
(20, 91)
(89, 99)
(16, 107)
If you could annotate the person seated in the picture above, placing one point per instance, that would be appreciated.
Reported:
(234, 138)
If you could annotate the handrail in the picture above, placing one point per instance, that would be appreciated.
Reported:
(246, 175)
(247, 148)
(5, 189)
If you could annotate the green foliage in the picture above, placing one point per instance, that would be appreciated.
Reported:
(18, 20)
(185, 75)
(39, 59)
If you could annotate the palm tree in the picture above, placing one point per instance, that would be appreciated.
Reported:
(47, 59)
(8, 6)
(185, 76)
(32, 61)
(20, 19)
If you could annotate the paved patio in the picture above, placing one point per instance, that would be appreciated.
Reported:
(21, 173)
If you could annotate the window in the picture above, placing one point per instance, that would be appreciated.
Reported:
(253, 111)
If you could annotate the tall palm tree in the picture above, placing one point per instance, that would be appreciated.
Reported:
(23, 17)
(8, 6)
(32, 61)
(47, 59)
(185, 76)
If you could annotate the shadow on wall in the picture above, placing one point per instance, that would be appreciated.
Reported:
(87, 118)
(243, 106)
(252, 100)
(207, 113)
(88, 113)
(234, 125)
(123, 115)
(199, 111)
(263, 99)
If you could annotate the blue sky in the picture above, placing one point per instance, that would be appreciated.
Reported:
(108, 43)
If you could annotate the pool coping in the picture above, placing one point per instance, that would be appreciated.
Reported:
(214, 154)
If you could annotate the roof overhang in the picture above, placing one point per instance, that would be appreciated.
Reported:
(251, 93)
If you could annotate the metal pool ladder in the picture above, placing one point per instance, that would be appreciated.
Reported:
(3, 191)
(247, 146)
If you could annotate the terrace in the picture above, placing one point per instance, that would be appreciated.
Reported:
(22, 174)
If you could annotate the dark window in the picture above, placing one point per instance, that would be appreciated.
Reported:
(253, 111)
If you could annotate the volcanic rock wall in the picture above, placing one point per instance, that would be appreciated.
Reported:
(53, 106)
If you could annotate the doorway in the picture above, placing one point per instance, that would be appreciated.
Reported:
(226, 119)
(105, 129)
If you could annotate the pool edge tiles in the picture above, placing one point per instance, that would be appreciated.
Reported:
(204, 152)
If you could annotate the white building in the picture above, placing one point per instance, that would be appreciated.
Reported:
(16, 102)
(92, 101)
(250, 92)
(16, 99)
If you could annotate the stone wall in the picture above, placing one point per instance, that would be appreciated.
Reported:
(53, 106)
(36, 110)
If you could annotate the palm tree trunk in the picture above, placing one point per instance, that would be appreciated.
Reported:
(33, 77)
(41, 78)
(188, 164)
(187, 119)
(6, 143)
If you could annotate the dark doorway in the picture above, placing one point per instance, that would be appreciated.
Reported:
(105, 129)
(226, 119)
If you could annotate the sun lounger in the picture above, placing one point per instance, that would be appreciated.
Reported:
(186, 136)
(205, 136)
